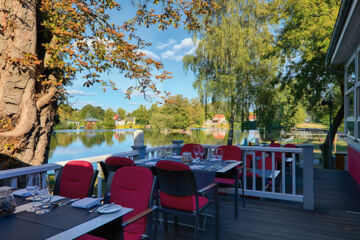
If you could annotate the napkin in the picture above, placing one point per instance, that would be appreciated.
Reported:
(215, 159)
(150, 163)
(176, 157)
(87, 202)
(21, 193)
(197, 167)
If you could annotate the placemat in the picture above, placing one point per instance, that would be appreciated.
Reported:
(63, 218)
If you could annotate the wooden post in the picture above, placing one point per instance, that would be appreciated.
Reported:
(308, 177)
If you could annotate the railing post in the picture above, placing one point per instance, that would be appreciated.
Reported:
(308, 177)
(139, 145)
(178, 144)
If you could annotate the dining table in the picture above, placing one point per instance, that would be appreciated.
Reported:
(204, 170)
(61, 222)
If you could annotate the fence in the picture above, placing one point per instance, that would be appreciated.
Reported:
(269, 177)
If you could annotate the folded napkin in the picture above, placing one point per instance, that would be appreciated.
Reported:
(56, 198)
(86, 202)
(21, 193)
(197, 167)
(176, 157)
(150, 163)
(215, 159)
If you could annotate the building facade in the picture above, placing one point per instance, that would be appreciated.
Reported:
(344, 49)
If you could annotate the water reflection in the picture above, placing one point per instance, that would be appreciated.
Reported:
(72, 144)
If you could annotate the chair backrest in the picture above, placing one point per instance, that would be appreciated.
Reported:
(231, 152)
(112, 164)
(189, 147)
(289, 145)
(131, 187)
(76, 180)
(277, 154)
(268, 164)
(177, 185)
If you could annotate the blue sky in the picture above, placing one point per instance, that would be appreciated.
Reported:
(167, 46)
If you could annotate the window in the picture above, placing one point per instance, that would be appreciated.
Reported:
(351, 88)
(350, 75)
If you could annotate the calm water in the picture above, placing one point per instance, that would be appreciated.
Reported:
(73, 144)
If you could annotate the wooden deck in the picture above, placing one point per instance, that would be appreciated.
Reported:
(336, 215)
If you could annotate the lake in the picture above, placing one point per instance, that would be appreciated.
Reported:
(73, 144)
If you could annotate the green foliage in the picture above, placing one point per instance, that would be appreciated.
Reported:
(142, 115)
(109, 122)
(176, 110)
(121, 112)
(89, 111)
(304, 37)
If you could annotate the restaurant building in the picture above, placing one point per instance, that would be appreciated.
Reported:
(344, 50)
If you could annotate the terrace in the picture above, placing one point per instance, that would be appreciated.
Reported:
(304, 203)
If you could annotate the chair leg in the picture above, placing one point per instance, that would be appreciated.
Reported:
(176, 223)
(243, 191)
(165, 222)
(197, 219)
(236, 199)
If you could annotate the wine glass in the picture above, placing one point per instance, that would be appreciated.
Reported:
(219, 153)
(202, 153)
(32, 186)
(196, 150)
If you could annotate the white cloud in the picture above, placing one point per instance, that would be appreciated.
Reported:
(186, 43)
(150, 54)
(169, 43)
(75, 92)
(177, 52)
(168, 54)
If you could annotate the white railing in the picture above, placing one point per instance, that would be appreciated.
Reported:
(273, 184)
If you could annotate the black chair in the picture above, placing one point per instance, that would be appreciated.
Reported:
(178, 193)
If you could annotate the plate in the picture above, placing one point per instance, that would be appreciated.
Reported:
(109, 209)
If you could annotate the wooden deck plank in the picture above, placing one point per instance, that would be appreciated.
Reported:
(337, 202)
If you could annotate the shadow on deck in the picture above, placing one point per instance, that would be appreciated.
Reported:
(336, 215)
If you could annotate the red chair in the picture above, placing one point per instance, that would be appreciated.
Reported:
(76, 180)
(190, 148)
(278, 155)
(112, 164)
(179, 194)
(130, 187)
(231, 178)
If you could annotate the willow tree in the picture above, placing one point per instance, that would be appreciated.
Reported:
(45, 43)
(304, 37)
(230, 58)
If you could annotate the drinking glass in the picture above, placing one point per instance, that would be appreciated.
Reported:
(32, 185)
(45, 197)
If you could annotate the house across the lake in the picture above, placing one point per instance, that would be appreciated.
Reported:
(126, 121)
(219, 119)
(344, 50)
(91, 122)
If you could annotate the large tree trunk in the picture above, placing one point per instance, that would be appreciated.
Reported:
(27, 108)
(231, 121)
(324, 147)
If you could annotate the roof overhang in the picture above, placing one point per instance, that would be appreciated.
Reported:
(346, 35)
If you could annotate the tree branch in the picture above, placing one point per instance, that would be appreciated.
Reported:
(46, 98)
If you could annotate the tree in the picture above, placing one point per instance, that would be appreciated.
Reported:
(109, 122)
(142, 115)
(121, 112)
(304, 37)
(45, 43)
(230, 57)
(176, 107)
(89, 111)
